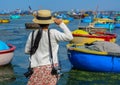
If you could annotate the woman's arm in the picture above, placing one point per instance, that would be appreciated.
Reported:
(66, 35)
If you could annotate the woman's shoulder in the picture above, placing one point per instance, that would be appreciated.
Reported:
(53, 30)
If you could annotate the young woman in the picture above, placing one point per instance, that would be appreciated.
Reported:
(41, 60)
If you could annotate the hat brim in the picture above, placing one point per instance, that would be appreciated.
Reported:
(43, 21)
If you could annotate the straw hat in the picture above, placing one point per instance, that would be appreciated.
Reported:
(43, 17)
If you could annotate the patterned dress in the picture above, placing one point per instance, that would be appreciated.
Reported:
(42, 76)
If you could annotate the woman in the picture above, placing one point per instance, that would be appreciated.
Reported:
(40, 61)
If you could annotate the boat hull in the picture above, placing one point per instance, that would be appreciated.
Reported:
(98, 36)
(107, 26)
(31, 26)
(4, 59)
(117, 25)
(6, 55)
(15, 17)
(4, 20)
(94, 62)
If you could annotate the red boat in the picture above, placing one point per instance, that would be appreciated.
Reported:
(7, 55)
(97, 36)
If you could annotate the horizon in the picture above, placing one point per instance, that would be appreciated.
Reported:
(100, 5)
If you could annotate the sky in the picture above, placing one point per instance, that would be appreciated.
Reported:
(61, 5)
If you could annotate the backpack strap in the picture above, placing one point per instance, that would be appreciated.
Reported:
(32, 38)
(36, 42)
(34, 46)
(50, 48)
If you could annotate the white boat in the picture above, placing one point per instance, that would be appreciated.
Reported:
(7, 55)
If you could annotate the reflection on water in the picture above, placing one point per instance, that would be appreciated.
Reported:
(78, 77)
(6, 74)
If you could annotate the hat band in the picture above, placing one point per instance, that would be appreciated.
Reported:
(43, 18)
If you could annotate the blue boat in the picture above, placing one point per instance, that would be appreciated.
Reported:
(65, 17)
(87, 19)
(89, 60)
(14, 16)
(117, 25)
(104, 16)
(6, 53)
(106, 25)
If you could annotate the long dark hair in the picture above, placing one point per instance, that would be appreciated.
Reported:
(43, 25)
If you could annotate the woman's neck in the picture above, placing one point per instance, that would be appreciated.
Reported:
(45, 28)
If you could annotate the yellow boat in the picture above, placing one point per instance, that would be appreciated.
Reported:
(4, 20)
(103, 20)
(81, 37)
(66, 21)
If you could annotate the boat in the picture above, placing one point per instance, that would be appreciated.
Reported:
(117, 24)
(117, 18)
(81, 36)
(104, 22)
(92, 29)
(104, 16)
(110, 26)
(77, 15)
(15, 16)
(4, 20)
(85, 59)
(31, 26)
(6, 56)
(65, 21)
(87, 19)
(63, 17)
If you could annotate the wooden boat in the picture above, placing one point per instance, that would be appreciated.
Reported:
(31, 26)
(4, 20)
(80, 36)
(75, 16)
(6, 55)
(103, 20)
(92, 29)
(36, 26)
(85, 59)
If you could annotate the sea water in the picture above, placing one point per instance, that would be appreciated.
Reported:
(16, 34)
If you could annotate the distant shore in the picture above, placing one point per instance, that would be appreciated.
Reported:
(11, 14)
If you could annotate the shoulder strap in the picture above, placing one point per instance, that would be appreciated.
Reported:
(50, 48)
(32, 42)
(36, 42)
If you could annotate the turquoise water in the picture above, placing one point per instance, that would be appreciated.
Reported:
(16, 34)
